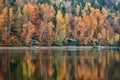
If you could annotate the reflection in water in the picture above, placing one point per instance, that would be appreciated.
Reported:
(60, 65)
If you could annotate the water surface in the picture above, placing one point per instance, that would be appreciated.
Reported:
(49, 64)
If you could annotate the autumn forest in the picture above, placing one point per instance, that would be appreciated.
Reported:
(59, 22)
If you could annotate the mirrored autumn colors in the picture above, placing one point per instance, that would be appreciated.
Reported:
(59, 64)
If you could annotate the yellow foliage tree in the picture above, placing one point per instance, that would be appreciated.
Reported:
(99, 36)
(10, 13)
(116, 37)
(25, 10)
(61, 26)
(59, 17)
(110, 40)
(31, 12)
(68, 18)
(104, 12)
(19, 12)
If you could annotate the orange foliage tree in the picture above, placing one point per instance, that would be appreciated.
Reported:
(46, 27)
(5, 26)
(28, 30)
(92, 25)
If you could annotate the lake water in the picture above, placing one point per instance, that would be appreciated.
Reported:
(57, 64)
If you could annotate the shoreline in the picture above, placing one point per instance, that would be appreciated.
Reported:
(60, 47)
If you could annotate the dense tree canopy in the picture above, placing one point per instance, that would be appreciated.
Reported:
(54, 22)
